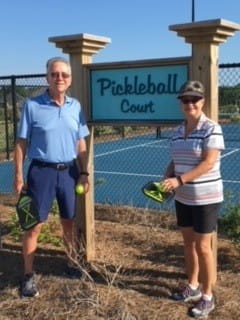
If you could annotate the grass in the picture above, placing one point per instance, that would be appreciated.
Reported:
(139, 261)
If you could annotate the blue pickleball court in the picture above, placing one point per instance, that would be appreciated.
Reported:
(123, 166)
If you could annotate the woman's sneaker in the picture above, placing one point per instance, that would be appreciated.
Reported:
(28, 287)
(187, 294)
(202, 308)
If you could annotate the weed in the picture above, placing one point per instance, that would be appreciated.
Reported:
(47, 235)
(15, 229)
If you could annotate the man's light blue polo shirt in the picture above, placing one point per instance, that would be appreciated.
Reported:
(52, 131)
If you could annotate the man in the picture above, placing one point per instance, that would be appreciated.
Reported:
(52, 134)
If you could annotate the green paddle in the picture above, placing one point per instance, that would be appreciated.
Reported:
(155, 191)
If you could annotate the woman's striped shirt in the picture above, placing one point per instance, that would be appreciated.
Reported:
(187, 154)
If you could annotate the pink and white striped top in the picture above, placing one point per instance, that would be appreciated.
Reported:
(187, 154)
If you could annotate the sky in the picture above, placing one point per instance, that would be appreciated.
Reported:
(138, 29)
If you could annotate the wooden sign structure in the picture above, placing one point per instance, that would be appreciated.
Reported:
(205, 37)
(81, 48)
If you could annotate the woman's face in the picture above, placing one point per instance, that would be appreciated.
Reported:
(192, 106)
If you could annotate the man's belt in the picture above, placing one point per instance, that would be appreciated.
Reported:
(55, 165)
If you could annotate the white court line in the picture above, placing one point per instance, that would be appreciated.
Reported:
(167, 147)
(232, 181)
(128, 174)
(124, 149)
(155, 147)
(227, 154)
(147, 175)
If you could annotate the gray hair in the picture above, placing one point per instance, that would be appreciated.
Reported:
(51, 61)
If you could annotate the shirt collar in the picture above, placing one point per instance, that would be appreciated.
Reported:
(47, 99)
(201, 120)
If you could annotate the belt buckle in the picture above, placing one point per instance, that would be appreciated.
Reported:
(61, 166)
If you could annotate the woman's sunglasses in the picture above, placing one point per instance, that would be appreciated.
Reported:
(192, 100)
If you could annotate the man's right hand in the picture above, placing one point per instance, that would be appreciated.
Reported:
(18, 185)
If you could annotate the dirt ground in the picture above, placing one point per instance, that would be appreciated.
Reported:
(139, 262)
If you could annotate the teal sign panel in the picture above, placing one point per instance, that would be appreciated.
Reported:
(133, 94)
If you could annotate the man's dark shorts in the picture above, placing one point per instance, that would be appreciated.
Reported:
(46, 184)
(203, 219)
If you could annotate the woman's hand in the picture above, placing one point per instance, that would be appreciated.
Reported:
(171, 184)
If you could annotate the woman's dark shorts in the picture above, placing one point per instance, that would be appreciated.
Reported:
(203, 219)
(46, 184)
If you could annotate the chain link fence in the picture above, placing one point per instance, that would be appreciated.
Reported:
(126, 157)
(13, 91)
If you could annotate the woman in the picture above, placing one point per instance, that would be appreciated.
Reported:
(194, 174)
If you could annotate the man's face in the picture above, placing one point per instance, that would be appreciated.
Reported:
(59, 77)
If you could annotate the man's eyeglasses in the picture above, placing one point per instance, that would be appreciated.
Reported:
(63, 75)
(192, 100)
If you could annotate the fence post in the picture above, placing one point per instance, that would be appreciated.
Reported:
(205, 37)
(14, 106)
(6, 121)
(81, 48)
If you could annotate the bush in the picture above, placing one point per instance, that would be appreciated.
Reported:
(229, 108)
(235, 117)
(229, 223)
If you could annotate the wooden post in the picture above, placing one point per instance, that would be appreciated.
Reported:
(205, 37)
(81, 48)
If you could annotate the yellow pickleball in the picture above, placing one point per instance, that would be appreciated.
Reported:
(79, 189)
